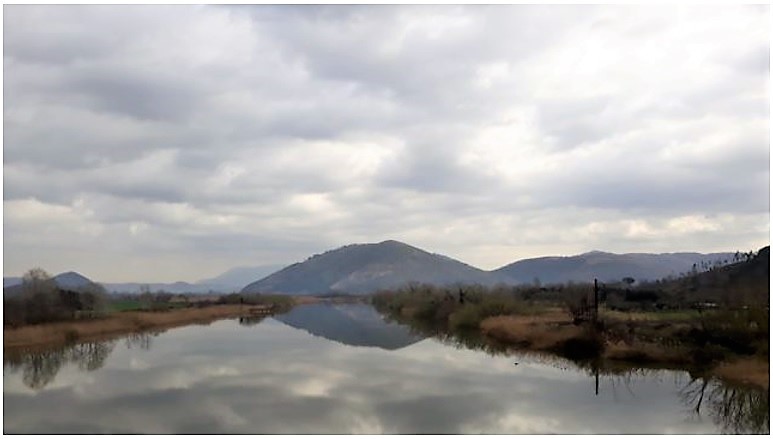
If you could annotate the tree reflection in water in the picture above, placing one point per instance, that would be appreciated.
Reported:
(140, 340)
(736, 409)
(39, 368)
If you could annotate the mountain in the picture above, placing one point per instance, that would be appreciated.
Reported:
(364, 268)
(11, 281)
(236, 278)
(232, 280)
(350, 324)
(71, 280)
(605, 266)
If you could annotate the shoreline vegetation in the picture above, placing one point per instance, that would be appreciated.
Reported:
(119, 323)
(727, 343)
(553, 335)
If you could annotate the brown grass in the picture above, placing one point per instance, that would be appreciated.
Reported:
(541, 332)
(115, 324)
(745, 371)
(550, 331)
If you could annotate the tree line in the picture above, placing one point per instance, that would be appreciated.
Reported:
(41, 300)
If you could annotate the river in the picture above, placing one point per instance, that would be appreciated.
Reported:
(340, 369)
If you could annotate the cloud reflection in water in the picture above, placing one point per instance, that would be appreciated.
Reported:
(272, 378)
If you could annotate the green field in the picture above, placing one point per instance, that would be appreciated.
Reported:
(124, 305)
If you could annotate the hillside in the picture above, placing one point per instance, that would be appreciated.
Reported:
(741, 283)
(364, 268)
(606, 267)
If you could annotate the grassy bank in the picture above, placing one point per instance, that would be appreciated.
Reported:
(730, 344)
(133, 320)
(47, 334)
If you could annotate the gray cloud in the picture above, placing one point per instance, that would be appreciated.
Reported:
(279, 131)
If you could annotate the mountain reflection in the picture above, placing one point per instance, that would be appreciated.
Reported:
(352, 324)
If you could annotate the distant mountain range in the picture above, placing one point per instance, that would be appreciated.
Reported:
(69, 280)
(606, 266)
(236, 278)
(365, 268)
(74, 280)
(231, 281)
(11, 281)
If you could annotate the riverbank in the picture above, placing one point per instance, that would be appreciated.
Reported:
(731, 344)
(555, 332)
(127, 322)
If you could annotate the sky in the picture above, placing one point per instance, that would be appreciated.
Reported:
(167, 143)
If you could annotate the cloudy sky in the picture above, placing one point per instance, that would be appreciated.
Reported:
(163, 143)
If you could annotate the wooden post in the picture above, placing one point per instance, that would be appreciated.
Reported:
(595, 300)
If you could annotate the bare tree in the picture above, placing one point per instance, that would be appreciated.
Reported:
(41, 297)
(37, 281)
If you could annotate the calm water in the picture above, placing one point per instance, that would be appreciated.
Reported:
(341, 369)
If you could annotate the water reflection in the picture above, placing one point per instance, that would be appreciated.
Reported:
(738, 410)
(39, 368)
(735, 409)
(352, 324)
(141, 340)
(251, 320)
(258, 375)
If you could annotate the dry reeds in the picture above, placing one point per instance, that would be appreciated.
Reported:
(547, 332)
(115, 324)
